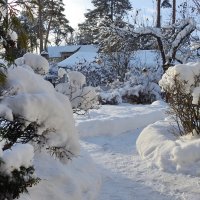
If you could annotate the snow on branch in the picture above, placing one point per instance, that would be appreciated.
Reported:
(187, 27)
(169, 39)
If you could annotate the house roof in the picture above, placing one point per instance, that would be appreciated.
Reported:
(55, 51)
(87, 53)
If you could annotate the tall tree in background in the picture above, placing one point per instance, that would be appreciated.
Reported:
(112, 9)
(51, 21)
(29, 28)
(55, 21)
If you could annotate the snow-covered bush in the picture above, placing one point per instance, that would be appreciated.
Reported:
(38, 63)
(96, 73)
(29, 96)
(140, 86)
(181, 84)
(81, 97)
(31, 111)
(110, 97)
(16, 170)
(76, 79)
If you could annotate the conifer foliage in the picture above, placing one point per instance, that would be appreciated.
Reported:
(112, 9)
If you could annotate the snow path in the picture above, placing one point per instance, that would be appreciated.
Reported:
(127, 177)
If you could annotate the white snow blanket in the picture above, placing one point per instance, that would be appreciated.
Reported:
(165, 150)
(78, 180)
(124, 118)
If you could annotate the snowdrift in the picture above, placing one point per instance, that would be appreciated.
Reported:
(162, 149)
(78, 180)
(114, 120)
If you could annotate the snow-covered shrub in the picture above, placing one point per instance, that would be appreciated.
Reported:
(38, 63)
(96, 73)
(81, 97)
(29, 96)
(31, 111)
(61, 72)
(140, 86)
(16, 171)
(110, 97)
(76, 79)
(181, 84)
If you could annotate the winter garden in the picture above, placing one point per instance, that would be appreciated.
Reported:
(118, 119)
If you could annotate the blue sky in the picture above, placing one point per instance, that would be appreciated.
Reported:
(75, 9)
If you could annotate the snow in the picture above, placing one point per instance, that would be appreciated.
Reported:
(3, 11)
(13, 35)
(109, 166)
(115, 140)
(19, 155)
(76, 79)
(38, 63)
(124, 118)
(81, 96)
(161, 148)
(188, 26)
(196, 95)
(184, 72)
(35, 62)
(29, 96)
(78, 180)
(19, 61)
(124, 175)
(146, 58)
(55, 51)
(61, 72)
(87, 53)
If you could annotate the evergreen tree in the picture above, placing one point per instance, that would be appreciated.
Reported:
(55, 21)
(113, 9)
(51, 21)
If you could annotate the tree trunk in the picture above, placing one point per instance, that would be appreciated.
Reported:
(174, 12)
(158, 17)
(40, 25)
(112, 9)
(47, 35)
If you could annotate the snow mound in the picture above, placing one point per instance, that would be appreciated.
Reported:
(38, 63)
(162, 149)
(78, 180)
(114, 120)
(19, 155)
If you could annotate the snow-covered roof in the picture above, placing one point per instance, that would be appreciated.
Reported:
(87, 53)
(55, 51)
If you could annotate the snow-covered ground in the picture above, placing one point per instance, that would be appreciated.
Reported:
(110, 167)
(125, 176)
